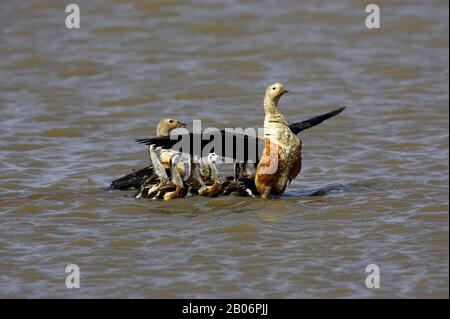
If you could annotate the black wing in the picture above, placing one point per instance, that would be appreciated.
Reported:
(249, 143)
(301, 126)
(238, 141)
(133, 180)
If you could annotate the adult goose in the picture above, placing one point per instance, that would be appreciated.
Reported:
(281, 160)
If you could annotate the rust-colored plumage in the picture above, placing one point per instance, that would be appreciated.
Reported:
(281, 159)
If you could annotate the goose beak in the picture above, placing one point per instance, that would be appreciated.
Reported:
(179, 124)
(282, 93)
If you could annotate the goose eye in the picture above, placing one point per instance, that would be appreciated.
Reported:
(170, 121)
(273, 88)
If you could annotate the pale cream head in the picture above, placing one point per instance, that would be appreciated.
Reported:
(166, 125)
(275, 91)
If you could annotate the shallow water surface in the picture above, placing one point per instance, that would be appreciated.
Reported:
(72, 101)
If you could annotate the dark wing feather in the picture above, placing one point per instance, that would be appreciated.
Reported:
(301, 126)
(167, 142)
(133, 180)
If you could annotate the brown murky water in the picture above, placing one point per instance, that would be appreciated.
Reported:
(72, 101)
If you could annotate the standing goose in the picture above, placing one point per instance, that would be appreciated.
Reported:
(281, 160)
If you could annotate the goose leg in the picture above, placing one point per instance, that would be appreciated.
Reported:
(198, 178)
(246, 171)
(195, 179)
(237, 171)
(175, 178)
(159, 171)
(157, 166)
(213, 188)
(205, 172)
